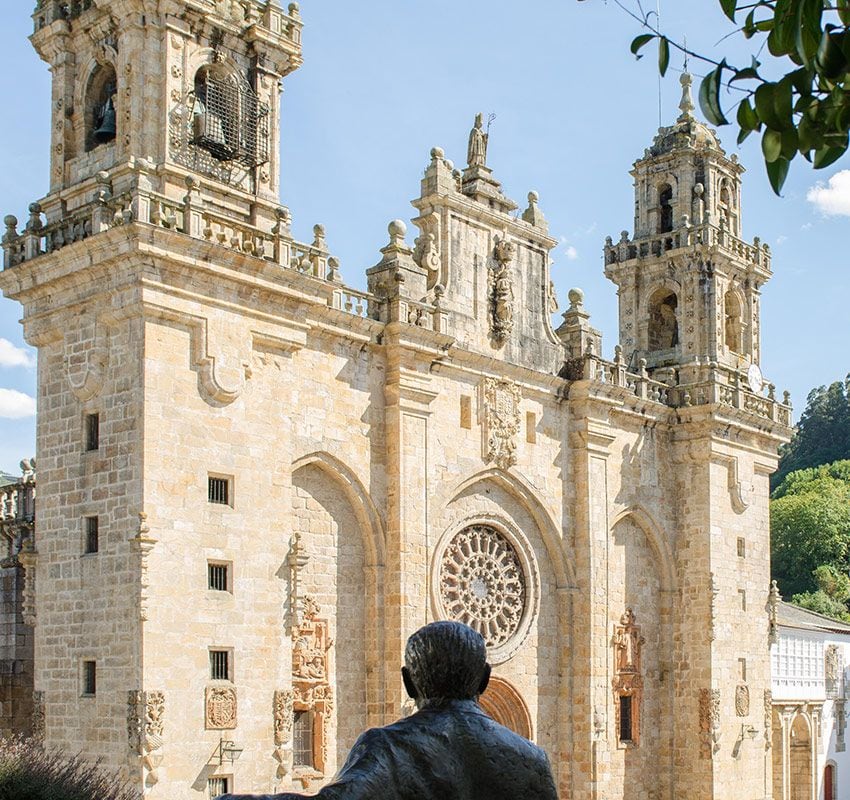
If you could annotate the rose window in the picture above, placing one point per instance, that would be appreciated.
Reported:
(482, 583)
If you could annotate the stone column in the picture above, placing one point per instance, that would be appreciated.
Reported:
(408, 395)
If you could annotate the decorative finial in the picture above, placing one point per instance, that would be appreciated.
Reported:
(687, 105)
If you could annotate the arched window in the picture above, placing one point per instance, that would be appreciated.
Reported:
(665, 209)
(503, 703)
(663, 320)
(727, 207)
(830, 787)
(734, 325)
(100, 118)
(229, 121)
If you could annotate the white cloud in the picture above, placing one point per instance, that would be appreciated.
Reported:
(13, 356)
(833, 198)
(15, 404)
(571, 252)
(781, 239)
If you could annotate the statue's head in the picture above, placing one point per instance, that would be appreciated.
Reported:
(445, 661)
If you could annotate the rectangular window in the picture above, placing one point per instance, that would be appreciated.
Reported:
(743, 595)
(531, 427)
(220, 665)
(92, 431)
(742, 547)
(302, 739)
(465, 412)
(626, 718)
(218, 491)
(218, 786)
(219, 578)
(89, 678)
(742, 665)
(92, 535)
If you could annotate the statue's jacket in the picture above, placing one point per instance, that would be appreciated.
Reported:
(452, 751)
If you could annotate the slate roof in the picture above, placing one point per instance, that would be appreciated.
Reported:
(790, 616)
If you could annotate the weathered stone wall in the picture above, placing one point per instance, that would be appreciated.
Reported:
(16, 656)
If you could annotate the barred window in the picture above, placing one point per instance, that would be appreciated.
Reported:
(92, 431)
(218, 491)
(218, 786)
(302, 739)
(92, 535)
(228, 119)
(218, 576)
(89, 678)
(220, 665)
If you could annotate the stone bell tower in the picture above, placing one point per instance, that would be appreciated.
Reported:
(164, 183)
(173, 94)
(679, 309)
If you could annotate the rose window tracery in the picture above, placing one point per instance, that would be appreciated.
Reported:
(482, 583)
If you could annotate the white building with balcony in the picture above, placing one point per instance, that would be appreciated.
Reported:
(809, 658)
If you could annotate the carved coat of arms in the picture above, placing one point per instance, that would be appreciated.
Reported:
(502, 421)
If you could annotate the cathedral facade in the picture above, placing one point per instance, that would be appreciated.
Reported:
(255, 482)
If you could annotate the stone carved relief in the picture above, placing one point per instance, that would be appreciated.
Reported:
(482, 584)
(502, 291)
(145, 723)
(768, 719)
(840, 713)
(774, 598)
(833, 669)
(38, 718)
(501, 421)
(628, 677)
(427, 248)
(220, 708)
(86, 358)
(709, 721)
(283, 709)
(742, 700)
(311, 690)
(628, 644)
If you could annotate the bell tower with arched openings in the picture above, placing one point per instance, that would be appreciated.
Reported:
(689, 285)
(169, 95)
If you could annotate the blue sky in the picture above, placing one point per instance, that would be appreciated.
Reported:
(386, 80)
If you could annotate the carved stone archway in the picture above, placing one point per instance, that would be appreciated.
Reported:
(505, 705)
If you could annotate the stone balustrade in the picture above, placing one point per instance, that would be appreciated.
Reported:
(687, 236)
(269, 15)
(722, 386)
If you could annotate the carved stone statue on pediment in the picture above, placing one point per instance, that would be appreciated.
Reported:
(478, 140)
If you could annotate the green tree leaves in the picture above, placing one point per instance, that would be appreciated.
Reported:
(810, 528)
(805, 110)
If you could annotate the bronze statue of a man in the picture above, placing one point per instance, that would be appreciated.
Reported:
(449, 749)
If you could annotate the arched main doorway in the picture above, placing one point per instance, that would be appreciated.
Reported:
(503, 703)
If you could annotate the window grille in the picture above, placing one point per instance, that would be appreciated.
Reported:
(220, 665)
(302, 739)
(218, 577)
(92, 535)
(89, 677)
(218, 787)
(219, 491)
(626, 734)
(92, 431)
(230, 122)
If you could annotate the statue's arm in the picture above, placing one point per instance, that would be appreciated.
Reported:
(359, 778)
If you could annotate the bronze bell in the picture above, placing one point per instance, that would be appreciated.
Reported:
(107, 130)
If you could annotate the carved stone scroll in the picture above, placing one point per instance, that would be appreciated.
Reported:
(145, 724)
(501, 422)
(709, 721)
